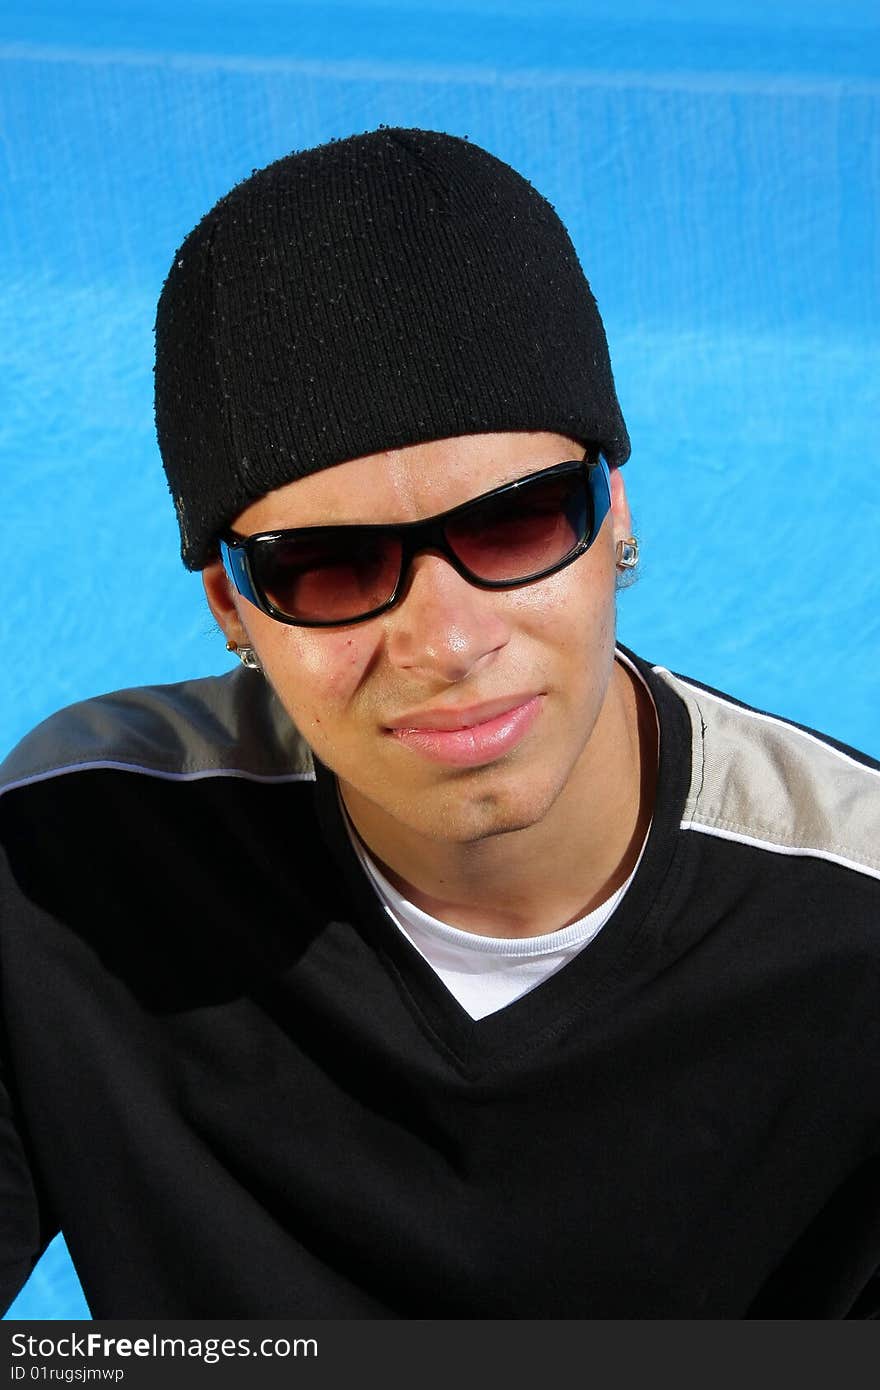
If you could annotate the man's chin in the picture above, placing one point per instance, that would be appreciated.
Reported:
(470, 819)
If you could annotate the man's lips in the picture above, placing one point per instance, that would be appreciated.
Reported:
(468, 736)
(462, 717)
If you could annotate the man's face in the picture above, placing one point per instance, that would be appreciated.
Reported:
(460, 712)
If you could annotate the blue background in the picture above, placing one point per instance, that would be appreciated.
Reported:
(718, 167)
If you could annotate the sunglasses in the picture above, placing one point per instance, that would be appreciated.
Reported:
(330, 576)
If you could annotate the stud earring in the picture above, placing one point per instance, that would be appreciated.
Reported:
(627, 553)
(246, 655)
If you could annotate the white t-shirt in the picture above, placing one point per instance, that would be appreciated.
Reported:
(485, 973)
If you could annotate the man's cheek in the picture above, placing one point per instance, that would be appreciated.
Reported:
(332, 660)
(313, 678)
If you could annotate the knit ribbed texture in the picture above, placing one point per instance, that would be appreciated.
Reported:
(374, 292)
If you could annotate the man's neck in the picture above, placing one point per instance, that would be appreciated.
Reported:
(534, 880)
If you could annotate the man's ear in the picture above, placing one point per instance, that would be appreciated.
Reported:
(221, 598)
(620, 506)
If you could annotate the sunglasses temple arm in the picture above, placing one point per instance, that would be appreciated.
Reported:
(236, 566)
(599, 484)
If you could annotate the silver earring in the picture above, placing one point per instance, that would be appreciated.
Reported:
(627, 553)
(246, 655)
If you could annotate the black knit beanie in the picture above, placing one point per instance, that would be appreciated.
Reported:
(383, 290)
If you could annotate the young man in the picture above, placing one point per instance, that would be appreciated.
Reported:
(445, 960)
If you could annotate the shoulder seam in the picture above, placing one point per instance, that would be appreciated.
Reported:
(796, 851)
(700, 691)
(198, 774)
(212, 726)
(778, 787)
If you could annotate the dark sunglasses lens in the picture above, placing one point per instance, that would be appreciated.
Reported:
(523, 532)
(328, 578)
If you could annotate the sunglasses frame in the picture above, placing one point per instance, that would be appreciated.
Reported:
(418, 536)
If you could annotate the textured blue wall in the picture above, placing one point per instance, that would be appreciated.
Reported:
(719, 174)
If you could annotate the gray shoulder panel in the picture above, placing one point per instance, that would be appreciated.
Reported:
(764, 782)
(229, 725)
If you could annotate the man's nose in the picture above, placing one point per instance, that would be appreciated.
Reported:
(443, 626)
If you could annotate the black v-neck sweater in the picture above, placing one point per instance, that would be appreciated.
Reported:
(241, 1093)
